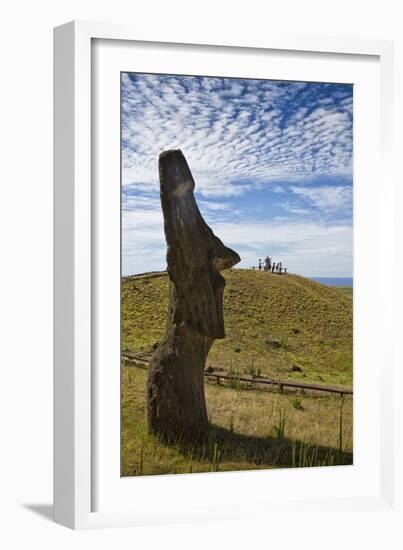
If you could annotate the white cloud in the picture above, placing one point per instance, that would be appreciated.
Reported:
(305, 247)
(326, 198)
(239, 137)
(233, 129)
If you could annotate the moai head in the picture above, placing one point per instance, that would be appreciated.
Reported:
(195, 256)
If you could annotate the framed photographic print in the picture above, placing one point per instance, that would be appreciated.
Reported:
(219, 240)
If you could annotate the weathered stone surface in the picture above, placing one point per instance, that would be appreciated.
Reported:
(176, 404)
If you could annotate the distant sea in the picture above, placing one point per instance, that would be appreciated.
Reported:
(334, 281)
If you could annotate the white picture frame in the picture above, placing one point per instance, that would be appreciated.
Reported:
(76, 391)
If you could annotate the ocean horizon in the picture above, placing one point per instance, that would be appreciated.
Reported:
(333, 281)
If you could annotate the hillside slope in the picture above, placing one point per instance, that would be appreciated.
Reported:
(275, 324)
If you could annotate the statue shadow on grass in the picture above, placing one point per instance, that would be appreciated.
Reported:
(225, 445)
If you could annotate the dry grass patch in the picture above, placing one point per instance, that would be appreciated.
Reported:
(250, 429)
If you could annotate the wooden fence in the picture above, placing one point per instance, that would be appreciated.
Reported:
(142, 362)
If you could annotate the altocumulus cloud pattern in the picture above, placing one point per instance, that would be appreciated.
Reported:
(272, 162)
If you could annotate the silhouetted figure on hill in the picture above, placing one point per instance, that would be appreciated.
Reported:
(260, 264)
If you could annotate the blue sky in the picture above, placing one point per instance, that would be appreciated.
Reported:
(272, 162)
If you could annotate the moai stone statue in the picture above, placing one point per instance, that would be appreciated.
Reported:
(176, 405)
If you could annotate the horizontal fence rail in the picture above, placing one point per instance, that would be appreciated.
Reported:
(143, 362)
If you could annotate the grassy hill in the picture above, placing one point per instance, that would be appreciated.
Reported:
(275, 324)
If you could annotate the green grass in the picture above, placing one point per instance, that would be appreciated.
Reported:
(273, 323)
